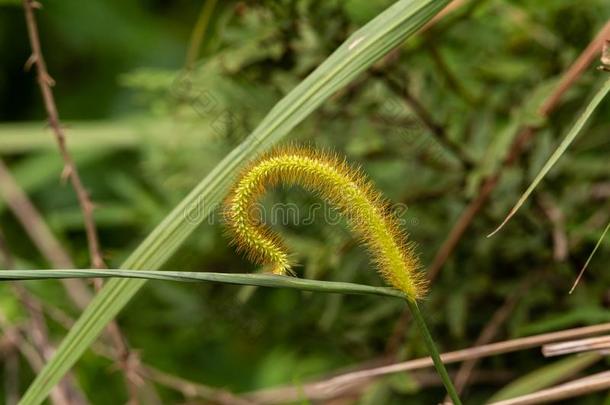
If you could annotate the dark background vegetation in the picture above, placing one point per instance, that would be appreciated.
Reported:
(145, 129)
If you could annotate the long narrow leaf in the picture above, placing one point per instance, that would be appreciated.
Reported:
(360, 51)
(584, 267)
(260, 280)
(563, 146)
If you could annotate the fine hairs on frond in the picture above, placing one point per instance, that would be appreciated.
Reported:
(368, 214)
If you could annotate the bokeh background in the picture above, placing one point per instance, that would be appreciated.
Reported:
(150, 108)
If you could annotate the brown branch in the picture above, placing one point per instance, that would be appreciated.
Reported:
(449, 8)
(591, 52)
(597, 220)
(463, 222)
(192, 390)
(598, 343)
(488, 334)
(189, 389)
(600, 191)
(61, 393)
(568, 79)
(422, 379)
(39, 335)
(68, 392)
(38, 231)
(44, 239)
(556, 217)
(572, 389)
(452, 79)
(335, 386)
(70, 171)
(437, 130)
(11, 377)
(397, 336)
(126, 359)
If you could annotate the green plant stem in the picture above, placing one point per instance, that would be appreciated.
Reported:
(436, 358)
(260, 280)
(597, 245)
(203, 21)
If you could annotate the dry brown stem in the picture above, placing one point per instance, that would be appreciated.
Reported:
(338, 385)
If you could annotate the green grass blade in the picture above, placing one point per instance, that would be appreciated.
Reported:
(360, 51)
(198, 34)
(584, 267)
(259, 280)
(563, 146)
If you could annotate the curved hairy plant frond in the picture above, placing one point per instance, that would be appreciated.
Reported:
(355, 197)
(367, 45)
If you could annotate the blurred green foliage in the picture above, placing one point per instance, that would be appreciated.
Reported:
(481, 73)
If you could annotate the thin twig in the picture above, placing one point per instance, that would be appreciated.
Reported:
(127, 360)
(568, 79)
(39, 335)
(556, 217)
(574, 131)
(189, 389)
(60, 395)
(38, 332)
(33, 223)
(596, 220)
(335, 386)
(577, 346)
(38, 231)
(524, 136)
(572, 389)
(449, 8)
(600, 191)
(396, 339)
(45, 83)
(452, 79)
(44, 239)
(591, 52)
(11, 377)
(66, 392)
(437, 130)
(463, 222)
(194, 390)
(489, 333)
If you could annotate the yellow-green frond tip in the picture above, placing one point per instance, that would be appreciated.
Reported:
(342, 186)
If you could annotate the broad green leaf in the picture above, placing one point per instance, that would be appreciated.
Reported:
(360, 51)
